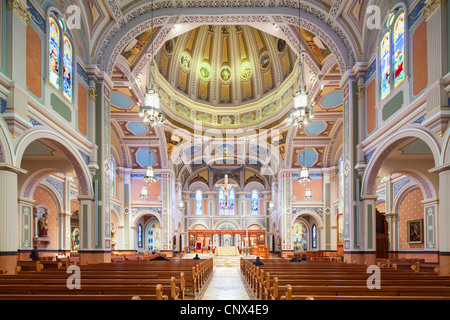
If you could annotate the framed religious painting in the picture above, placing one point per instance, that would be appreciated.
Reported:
(415, 231)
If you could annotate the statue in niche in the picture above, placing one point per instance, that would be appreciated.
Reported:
(43, 224)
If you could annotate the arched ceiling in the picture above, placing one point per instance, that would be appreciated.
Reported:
(329, 37)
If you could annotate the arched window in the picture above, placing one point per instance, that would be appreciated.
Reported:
(140, 236)
(198, 203)
(54, 52)
(392, 53)
(399, 48)
(385, 54)
(60, 58)
(68, 69)
(314, 236)
(113, 177)
(255, 202)
(226, 199)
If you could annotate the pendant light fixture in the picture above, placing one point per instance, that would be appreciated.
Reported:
(302, 114)
(150, 112)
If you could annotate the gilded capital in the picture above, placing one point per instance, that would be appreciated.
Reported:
(431, 6)
(19, 8)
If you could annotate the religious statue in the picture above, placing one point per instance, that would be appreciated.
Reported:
(43, 223)
(113, 232)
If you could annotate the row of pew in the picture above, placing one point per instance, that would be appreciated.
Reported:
(125, 280)
(329, 280)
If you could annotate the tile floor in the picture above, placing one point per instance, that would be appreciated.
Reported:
(226, 284)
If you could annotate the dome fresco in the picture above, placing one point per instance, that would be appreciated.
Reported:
(223, 66)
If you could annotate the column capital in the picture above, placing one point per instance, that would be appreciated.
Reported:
(19, 9)
(11, 168)
(431, 7)
(430, 202)
(438, 169)
(26, 201)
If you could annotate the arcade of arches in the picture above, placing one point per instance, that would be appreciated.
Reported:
(74, 150)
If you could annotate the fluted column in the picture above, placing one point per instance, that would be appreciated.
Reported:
(444, 221)
(9, 221)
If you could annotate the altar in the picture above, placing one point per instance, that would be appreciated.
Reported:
(228, 242)
(226, 251)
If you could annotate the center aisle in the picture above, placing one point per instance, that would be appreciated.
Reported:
(226, 282)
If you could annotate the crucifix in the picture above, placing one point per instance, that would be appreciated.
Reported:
(226, 186)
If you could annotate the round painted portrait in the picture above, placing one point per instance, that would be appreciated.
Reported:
(281, 45)
(225, 74)
(264, 61)
(246, 70)
(205, 71)
(186, 61)
(169, 46)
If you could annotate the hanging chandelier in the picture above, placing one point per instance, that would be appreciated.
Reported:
(308, 194)
(151, 113)
(150, 175)
(144, 193)
(304, 176)
(302, 113)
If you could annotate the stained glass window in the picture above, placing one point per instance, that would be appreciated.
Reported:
(226, 202)
(54, 53)
(198, 203)
(68, 69)
(399, 48)
(385, 55)
(255, 201)
(153, 232)
(314, 236)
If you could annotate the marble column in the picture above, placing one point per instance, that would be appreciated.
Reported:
(64, 218)
(444, 220)
(168, 194)
(128, 238)
(9, 218)
(285, 186)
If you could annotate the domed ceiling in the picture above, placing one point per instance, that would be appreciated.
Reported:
(225, 65)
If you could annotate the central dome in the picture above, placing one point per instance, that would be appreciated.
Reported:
(221, 74)
(226, 65)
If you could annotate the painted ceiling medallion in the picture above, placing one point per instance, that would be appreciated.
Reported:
(205, 71)
(225, 74)
(264, 61)
(246, 71)
(169, 47)
(186, 61)
(281, 45)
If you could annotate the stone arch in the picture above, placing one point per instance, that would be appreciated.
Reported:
(311, 213)
(143, 213)
(114, 39)
(401, 195)
(389, 145)
(73, 156)
(217, 225)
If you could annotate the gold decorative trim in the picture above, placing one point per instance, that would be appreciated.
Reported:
(19, 8)
(431, 7)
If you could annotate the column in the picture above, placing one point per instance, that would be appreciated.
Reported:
(444, 220)
(98, 243)
(128, 237)
(168, 194)
(64, 218)
(9, 221)
(368, 222)
(17, 18)
(327, 208)
(355, 240)
(285, 188)
(120, 236)
(391, 216)
(26, 227)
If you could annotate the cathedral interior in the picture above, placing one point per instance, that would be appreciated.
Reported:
(316, 127)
